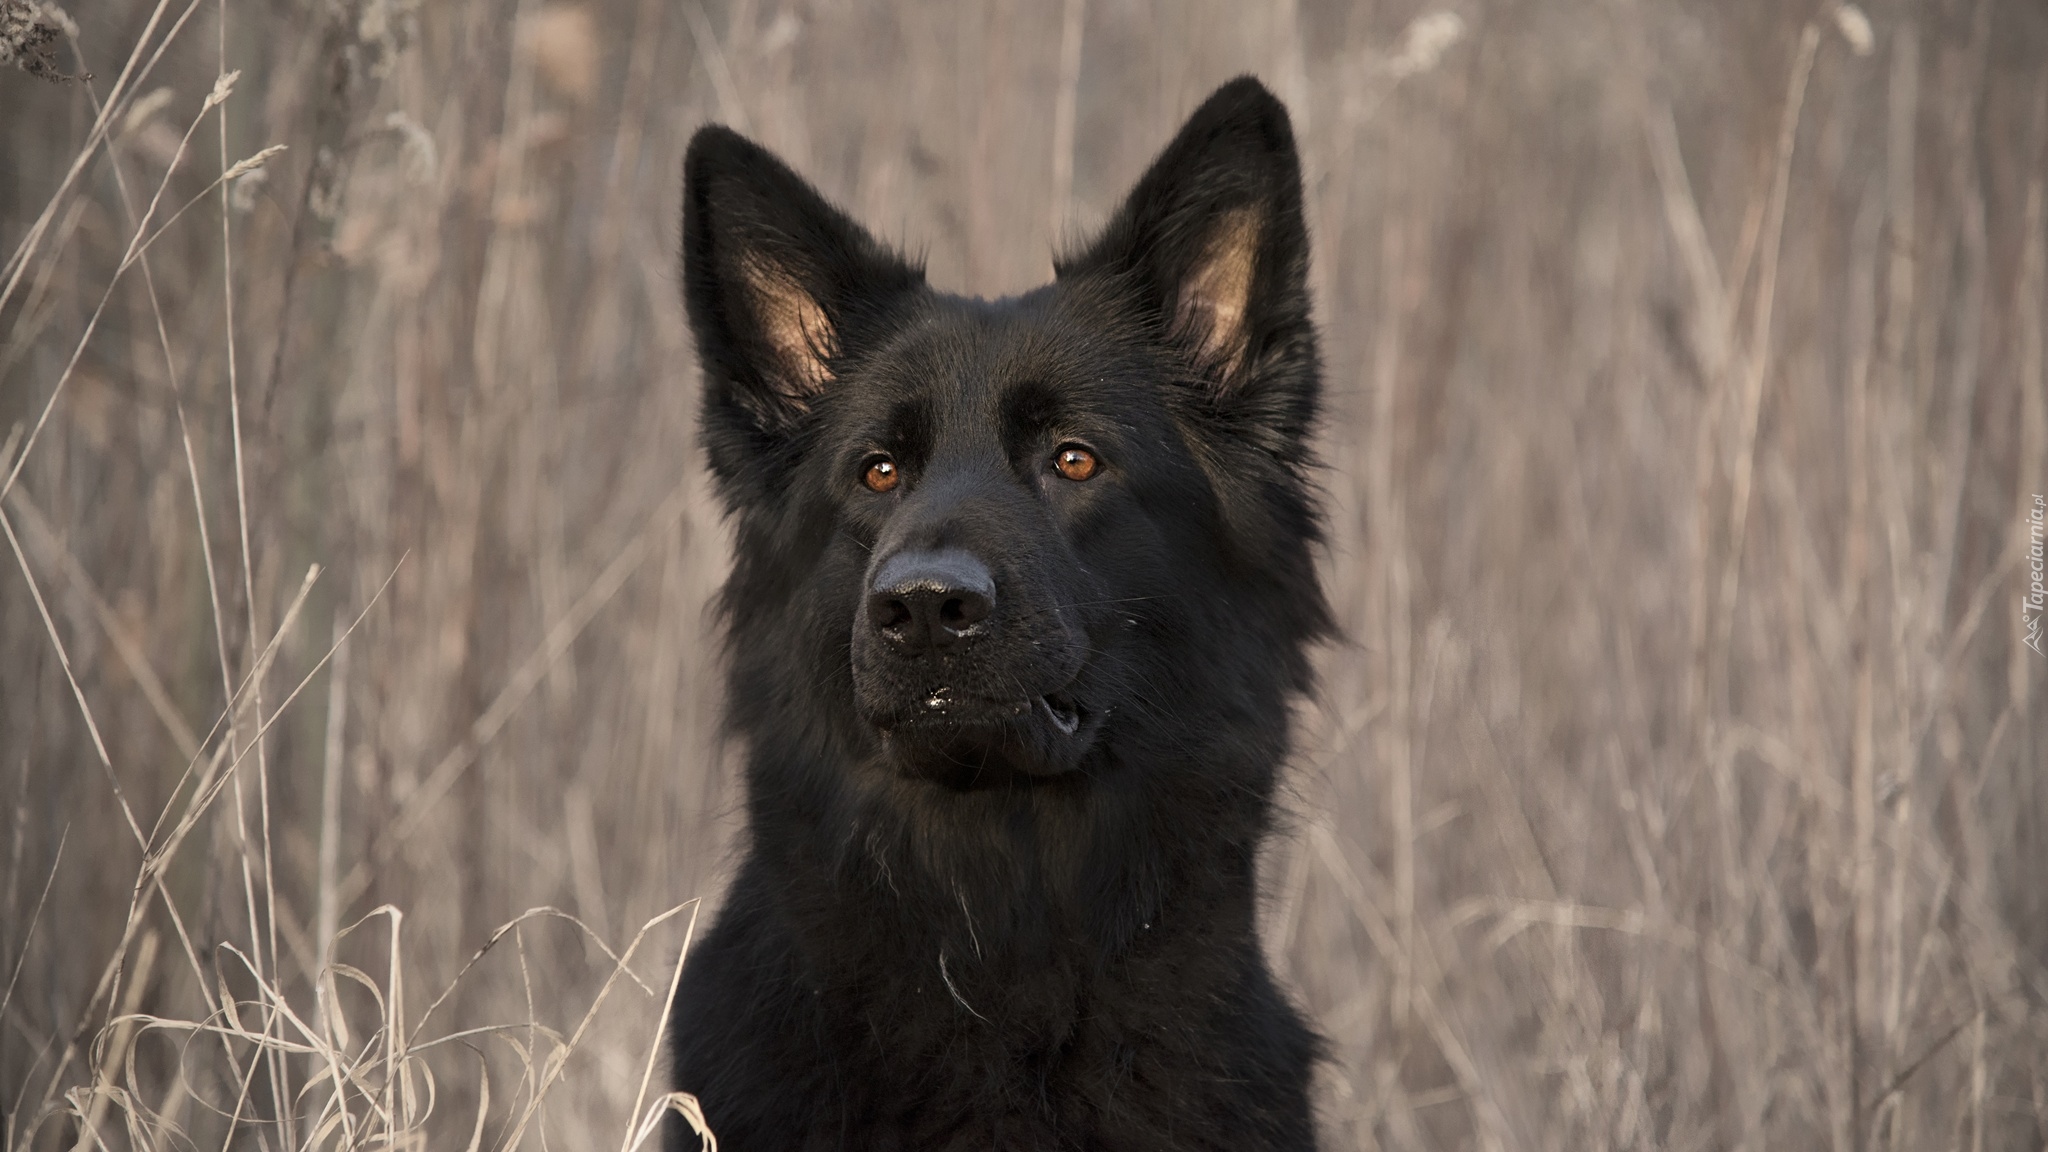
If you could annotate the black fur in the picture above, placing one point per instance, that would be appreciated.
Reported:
(998, 887)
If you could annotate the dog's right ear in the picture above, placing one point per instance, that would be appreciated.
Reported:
(778, 283)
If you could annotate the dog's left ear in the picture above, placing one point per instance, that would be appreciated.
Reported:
(1213, 245)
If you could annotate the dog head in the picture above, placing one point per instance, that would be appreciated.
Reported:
(990, 542)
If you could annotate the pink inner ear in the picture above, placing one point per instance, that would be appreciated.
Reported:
(1210, 312)
(799, 336)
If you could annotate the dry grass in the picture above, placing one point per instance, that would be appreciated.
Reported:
(1683, 782)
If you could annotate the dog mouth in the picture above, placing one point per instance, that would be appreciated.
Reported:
(1061, 711)
(942, 729)
(945, 708)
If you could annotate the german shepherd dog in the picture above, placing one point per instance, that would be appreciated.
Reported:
(1020, 602)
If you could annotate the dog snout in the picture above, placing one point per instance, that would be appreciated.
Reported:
(923, 603)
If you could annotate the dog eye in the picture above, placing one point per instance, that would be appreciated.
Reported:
(881, 475)
(1075, 462)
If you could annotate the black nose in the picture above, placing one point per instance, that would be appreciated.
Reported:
(925, 602)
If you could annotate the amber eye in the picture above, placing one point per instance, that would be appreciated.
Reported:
(881, 474)
(1076, 462)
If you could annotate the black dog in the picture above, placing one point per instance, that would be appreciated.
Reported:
(1020, 603)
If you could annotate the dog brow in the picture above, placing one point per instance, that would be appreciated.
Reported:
(1029, 408)
(908, 428)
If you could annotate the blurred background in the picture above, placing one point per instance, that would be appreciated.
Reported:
(1681, 780)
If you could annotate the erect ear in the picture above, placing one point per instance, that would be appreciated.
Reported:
(1212, 245)
(777, 281)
